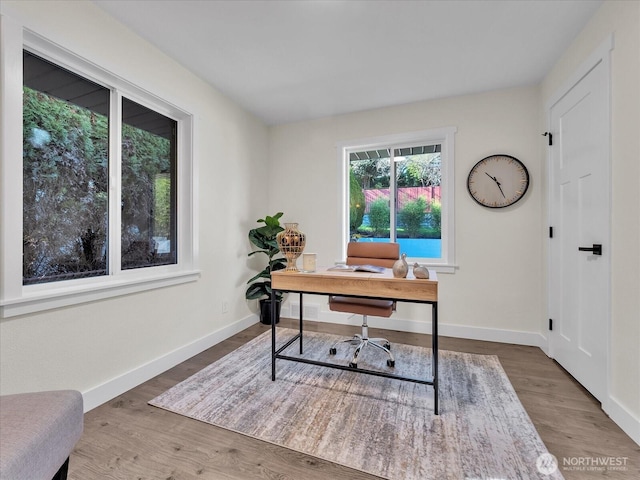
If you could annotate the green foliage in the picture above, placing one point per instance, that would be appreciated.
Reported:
(420, 170)
(356, 203)
(65, 188)
(162, 211)
(412, 215)
(435, 217)
(380, 216)
(372, 173)
(264, 238)
(146, 194)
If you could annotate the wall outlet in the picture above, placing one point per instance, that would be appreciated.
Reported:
(225, 306)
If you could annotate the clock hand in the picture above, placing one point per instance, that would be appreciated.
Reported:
(497, 183)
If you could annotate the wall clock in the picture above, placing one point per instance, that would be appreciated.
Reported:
(498, 181)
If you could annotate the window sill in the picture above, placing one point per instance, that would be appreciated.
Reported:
(435, 266)
(38, 301)
(439, 268)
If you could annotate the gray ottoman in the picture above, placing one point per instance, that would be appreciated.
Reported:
(37, 434)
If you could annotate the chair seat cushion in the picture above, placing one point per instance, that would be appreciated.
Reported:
(38, 432)
(361, 306)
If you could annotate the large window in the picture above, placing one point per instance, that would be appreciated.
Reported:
(66, 178)
(399, 190)
(103, 203)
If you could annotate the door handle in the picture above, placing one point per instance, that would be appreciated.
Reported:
(596, 249)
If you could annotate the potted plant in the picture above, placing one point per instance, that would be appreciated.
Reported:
(264, 238)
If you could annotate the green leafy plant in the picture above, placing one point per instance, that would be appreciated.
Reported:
(412, 215)
(356, 203)
(380, 216)
(435, 216)
(264, 238)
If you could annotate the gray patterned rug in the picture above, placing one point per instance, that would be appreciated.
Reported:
(381, 426)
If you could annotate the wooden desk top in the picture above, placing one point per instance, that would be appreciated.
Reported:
(379, 285)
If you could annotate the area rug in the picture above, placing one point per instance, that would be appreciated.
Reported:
(378, 425)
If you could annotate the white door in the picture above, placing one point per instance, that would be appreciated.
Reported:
(579, 213)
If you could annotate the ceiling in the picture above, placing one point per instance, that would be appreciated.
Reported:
(287, 61)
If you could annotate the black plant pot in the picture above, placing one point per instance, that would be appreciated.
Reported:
(265, 311)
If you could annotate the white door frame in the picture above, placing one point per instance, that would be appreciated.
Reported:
(600, 55)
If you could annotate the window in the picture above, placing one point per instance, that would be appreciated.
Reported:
(66, 178)
(399, 189)
(65, 181)
(104, 202)
(148, 187)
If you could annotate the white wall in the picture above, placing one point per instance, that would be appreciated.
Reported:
(497, 291)
(622, 18)
(104, 348)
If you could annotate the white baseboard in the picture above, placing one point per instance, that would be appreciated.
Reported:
(516, 337)
(103, 393)
(444, 330)
(623, 418)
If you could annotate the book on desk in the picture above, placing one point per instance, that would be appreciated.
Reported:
(341, 267)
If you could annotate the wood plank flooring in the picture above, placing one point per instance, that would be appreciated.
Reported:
(128, 439)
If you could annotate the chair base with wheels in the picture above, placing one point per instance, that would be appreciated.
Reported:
(362, 340)
(381, 254)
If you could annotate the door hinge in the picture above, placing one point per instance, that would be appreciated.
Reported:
(550, 232)
(551, 324)
(550, 135)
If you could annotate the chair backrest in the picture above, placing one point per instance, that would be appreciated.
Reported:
(381, 254)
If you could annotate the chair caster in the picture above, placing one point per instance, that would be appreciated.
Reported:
(391, 363)
(353, 365)
(332, 351)
(387, 346)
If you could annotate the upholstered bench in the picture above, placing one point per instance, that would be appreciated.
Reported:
(37, 434)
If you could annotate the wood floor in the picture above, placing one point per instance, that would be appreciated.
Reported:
(128, 439)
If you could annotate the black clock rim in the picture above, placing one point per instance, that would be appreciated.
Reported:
(526, 188)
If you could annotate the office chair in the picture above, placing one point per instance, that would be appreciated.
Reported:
(381, 254)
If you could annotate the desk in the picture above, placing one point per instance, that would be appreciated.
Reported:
(357, 284)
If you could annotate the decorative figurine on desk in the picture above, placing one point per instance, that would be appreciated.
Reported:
(420, 272)
(401, 267)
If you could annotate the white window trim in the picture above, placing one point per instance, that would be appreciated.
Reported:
(445, 137)
(16, 299)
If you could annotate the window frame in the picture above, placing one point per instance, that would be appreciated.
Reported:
(443, 136)
(18, 299)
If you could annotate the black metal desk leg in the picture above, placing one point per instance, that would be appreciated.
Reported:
(434, 346)
(301, 310)
(273, 334)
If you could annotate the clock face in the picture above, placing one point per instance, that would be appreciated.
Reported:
(498, 181)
